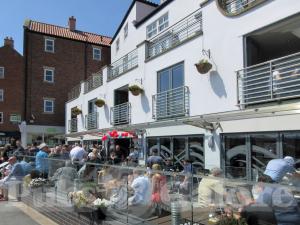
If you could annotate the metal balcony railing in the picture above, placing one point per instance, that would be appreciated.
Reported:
(171, 103)
(123, 65)
(277, 79)
(93, 82)
(74, 93)
(182, 31)
(236, 7)
(73, 125)
(121, 114)
(91, 121)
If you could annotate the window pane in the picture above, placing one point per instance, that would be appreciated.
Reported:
(151, 144)
(263, 149)
(235, 157)
(165, 147)
(291, 143)
(196, 152)
(179, 152)
(177, 76)
(164, 81)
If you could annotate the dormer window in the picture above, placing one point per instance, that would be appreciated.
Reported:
(118, 44)
(126, 31)
(157, 26)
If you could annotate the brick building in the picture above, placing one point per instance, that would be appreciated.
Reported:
(11, 91)
(56, 59)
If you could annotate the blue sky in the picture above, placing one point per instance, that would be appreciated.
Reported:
(96, 16)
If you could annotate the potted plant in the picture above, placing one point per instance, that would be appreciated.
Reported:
(135, 89)
(100, 102)
(203, 66)
(76, 111)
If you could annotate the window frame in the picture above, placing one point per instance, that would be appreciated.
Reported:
(126, 31)
(2, 73)
(45, 105)
(100, 53)
(2, 95)
(46, 45)
(46, 69)
(1, 117)
(157, 26)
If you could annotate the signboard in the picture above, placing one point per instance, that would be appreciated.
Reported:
(51, 130)
(15, 118)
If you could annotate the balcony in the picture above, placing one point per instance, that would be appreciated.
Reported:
(179, 33)
(123, 65)
(91, 121)
(73, 125)
(236, 7)
(121, 114)
(278, 79)
(171, 103)
(74, 93)
(93, 82)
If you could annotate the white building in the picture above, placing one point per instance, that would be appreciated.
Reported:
(238, 116)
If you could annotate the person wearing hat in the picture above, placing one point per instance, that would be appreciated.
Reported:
(41, 161)
(277, 168)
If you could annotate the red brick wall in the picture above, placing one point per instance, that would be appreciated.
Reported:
(70, 67)
(13, 86)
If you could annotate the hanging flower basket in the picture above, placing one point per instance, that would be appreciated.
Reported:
(135, 89)
(100, 102)
(204, 66)
(76, 111)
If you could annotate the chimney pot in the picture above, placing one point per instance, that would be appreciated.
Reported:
(72, 23)
(9, 41)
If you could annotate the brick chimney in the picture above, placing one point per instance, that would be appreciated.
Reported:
(72, 23)
(8, 41)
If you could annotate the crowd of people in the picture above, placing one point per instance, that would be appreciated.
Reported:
(129, 185)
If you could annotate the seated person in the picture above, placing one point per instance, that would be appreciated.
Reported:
(211, 190)
(15, 176)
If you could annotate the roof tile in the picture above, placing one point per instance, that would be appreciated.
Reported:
(66, 33)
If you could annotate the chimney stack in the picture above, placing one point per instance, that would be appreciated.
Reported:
(8, 41)
(72, 23)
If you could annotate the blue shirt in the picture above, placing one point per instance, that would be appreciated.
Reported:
(41, 162)
(277, 169)
(26, 167)
(142, 191)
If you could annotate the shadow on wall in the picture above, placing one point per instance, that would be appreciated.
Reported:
(217, 84)
(106, 112)
(145, 103)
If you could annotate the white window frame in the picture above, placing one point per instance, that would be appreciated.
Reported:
(95, 54)
(46, 69)
(117, 44)
(1, 117)
(45, 105)
(2, 72)
(157, 26)
(1, 95)
(126, 31)
(46, 45)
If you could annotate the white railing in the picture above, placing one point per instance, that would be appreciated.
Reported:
(75, 92)
(185, 29)
(93, 82)
(171, 103)
(277, 79)
(91, 121)
(123, 65)
(121, 114)
(236, 7)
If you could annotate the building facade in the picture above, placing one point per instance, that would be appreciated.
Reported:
(56, 59)
(237, 115)
(11, 91)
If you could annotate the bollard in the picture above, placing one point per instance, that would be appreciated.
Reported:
(175, 213)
